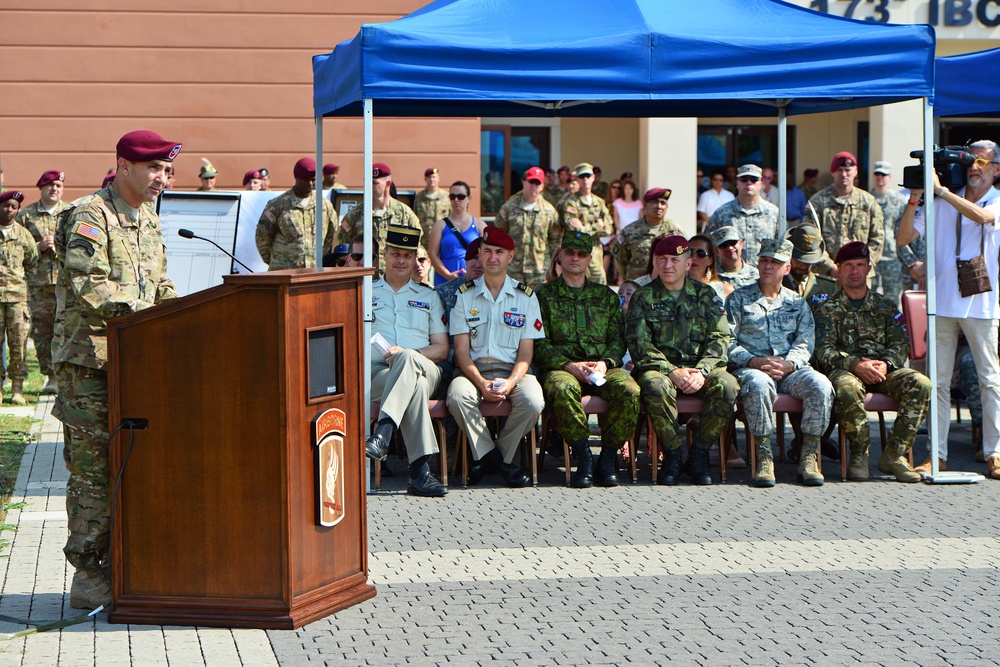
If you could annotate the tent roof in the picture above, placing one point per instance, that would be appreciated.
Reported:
(622, 58)
(963, 84)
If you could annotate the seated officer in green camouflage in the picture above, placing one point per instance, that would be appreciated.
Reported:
(585, 212)
(772, 340)
(632, 252)
(533, 223)
(581, 354)
(808, 248)
(18, 258)
(862, 344)
(677, 334)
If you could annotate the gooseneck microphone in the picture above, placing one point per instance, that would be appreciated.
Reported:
(188, 234)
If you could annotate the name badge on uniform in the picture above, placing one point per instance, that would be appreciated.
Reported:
(471, 319)
(513, 319)
(419, 304)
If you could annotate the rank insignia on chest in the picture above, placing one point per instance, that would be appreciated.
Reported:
(473, 332)
(419, 304)
(513, 319)
(473, 311)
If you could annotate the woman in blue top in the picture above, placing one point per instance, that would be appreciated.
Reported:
(450, 236)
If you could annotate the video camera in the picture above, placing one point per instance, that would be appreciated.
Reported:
(950, 164)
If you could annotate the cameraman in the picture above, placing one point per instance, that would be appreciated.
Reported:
(977, 207)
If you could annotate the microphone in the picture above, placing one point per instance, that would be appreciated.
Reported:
(188, 234)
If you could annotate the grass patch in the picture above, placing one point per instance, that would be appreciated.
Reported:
(15, 433)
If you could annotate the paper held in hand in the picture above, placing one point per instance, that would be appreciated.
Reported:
(380, 343)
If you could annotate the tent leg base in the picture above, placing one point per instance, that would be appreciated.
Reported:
(953, 478)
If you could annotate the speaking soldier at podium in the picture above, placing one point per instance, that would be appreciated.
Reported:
(114, 263)
(409, 318)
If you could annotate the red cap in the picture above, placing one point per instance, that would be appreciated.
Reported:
(305, 169)
(852, 250)
(146, 146)
(16, 194)
(497, 237)
(250, 175)
(430, 171)
(330, 168)
(535, 174)
(653, 194)
(49, 176)
(843, 158)
(472, 252)
(671, 245)
(380, 169)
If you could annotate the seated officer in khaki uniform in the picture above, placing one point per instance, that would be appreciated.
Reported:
(410, 317)
(494, 325)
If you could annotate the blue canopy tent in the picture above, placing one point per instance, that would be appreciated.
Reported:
(621, 58)
(957, 95)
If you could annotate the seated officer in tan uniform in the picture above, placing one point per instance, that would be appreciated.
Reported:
(410, 318)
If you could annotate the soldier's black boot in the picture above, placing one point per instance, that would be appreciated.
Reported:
(607, 467)
(697, 467)
(670, 469)
(583, 478)
(377, 444)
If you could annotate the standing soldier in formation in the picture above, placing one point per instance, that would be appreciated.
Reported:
(584, 340)
(533, 223)
(893, 203)
(286, 231)
(385, 211)
(861, 344)
(40, 219)
(585, 212)
(753, 216)
(632, 252)
(430, 204)
(330, 173)
(677, 334)
(114, 264)
(18, 259)
(808, 249)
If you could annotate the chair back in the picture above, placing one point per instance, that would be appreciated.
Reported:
(915, 317)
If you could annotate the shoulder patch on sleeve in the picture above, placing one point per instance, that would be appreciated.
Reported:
(89, 231)
(84, 245)
(465, 286)
(524, 288)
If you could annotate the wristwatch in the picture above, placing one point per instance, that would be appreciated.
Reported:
(703, 372)
(943, 192)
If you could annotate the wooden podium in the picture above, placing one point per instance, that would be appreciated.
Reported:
(219, 516)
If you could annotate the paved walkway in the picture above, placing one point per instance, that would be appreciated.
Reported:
(874, 573)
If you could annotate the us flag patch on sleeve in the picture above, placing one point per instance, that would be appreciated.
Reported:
(89, 231)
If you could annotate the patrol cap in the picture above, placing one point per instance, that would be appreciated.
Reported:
(12, 194)
(724, 235)
(207, 170)
(852, 250)
(671, 245)
(843, 159)
(341, 250)
(407, 238)
(146, 146)
(472, 252)
(329, 169)
(883, 167)
(430, 171)
(535, 174)
(749, 170)
(775, 249)
(811, 173)
(304, 169)
(653, 194)
(578, 241)
(584, 169)
(380, 169)
(48, 177)
(497, 237)
(807, 243)
(250, 175)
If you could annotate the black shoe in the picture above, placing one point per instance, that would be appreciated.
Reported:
(554, 445)
(697, 467)
(513, 476)
(483, 467)
(426, 485)
(376, 447)
(607, 467)
(583, 478)
(830, 450)
(670, 468)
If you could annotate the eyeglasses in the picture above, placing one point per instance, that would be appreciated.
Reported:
(700, 253)
(459, 197)
(747, 179)
(357, 256)
(422, 260)
(728, 244)
(981, 162)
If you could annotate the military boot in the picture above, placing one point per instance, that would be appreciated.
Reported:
(765, 464)
(16, 392)
(50, 387)
(583, 478)
(893, 462)
(91, 588)
(697, 467)
(670, 467)
(809, 473)
(607, 467)
(857, 467)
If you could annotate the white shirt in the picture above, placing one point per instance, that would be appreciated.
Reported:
(407, 318)
(496, 327)
(711, 200)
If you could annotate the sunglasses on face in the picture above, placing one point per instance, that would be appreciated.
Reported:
(700, 253)
(422, 260)
(357, 256)
(459, 197)
(747, 179)
(728, 244)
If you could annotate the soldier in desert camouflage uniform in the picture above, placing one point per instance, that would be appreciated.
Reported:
(18, 258)
(892, 202)
(113, 264)
(585, 335)
(754, 217)
(430, 204)
(40, 219)
(585, 212)
(632, 252)
(533, 223)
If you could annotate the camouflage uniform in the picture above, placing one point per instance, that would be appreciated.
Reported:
(18, 259)
(754, 223)
(858, 218)
(448, 293)
(915, 251)
(664, 333)
(429, 209)
(888, 268)
(632, 253)
(782, 327)
(42, 281)
(286, 232)
(396, 213)
(597, 222)
(585, 324)
(816, 290)
(535, 231)
(112, 265)
(747, 275)
(846, 332)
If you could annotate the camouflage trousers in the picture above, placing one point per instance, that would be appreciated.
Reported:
(890, 279)
(758, 391)
(595, 271)
(16, 323)
(659, 399)
(42, 305)
(968, 382)
(563, 393)
(531, 279)
(82, 407)
(912, 390)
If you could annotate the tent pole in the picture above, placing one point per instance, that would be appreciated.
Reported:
(319, 192)
(367, 283)
(779, 181)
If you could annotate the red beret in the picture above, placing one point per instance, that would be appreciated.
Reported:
(812, 173)
(671, 245)
(146, 146)
(852, 250)
(841, 159)
(305, 169)
(16, 194)
(107, 180)
(330, 168)
(430, 171)
(380, 169)
(472, 252)
(655, 193)
(497, 237)
(535, 174)
(48, 177)
(250, 175)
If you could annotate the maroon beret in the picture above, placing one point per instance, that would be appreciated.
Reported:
(430, 171)
(380, 169)
(671, 245)
(48, 177)
(852, 250)
(330, 168)
(250, 175)
(656, 193)
(472, 252)
(108, 180)
(497, 237)
(841, 159)
(812, 173)
(15, 194)
(146, 146)
(305, 169)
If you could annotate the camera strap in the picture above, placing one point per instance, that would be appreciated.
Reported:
(958, 239)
